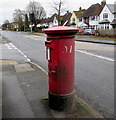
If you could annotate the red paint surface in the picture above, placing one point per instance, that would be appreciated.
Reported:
(62, 56)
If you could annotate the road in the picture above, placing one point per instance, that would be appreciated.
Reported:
(94, 67)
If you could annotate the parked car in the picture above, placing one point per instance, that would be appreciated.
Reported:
(80, 32)
(89, 32)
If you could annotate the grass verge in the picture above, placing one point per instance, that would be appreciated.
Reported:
(94, 37)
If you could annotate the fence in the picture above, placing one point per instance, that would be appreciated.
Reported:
(111, 32)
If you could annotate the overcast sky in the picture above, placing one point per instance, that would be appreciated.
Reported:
(7, 7)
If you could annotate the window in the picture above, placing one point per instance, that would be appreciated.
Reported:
(114, 15)
(105, 15)
(55, 21)
(92, 27)
(92, 17)
(96, 18)
(73, 19)
(80, 19)
(102, 26)
(106, 26)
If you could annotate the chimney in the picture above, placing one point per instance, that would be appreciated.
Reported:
(67, 11)
(80, 8)
(103, 3)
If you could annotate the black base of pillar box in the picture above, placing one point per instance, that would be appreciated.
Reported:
(61, 103)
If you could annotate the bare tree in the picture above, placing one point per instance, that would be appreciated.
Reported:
(36, 11)
(18, 17)
(26, 21)
(6, 22)
(58, 7)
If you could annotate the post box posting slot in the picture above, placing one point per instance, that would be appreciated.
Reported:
(48, 50)
(48, 53)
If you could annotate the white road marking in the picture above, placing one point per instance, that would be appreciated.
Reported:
(22, 53)
(98, 56)
(25, 56)
(28, 60)
(13, 46)
(19, 50)
(8, 46)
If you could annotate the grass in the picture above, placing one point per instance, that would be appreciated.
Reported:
(94, 37)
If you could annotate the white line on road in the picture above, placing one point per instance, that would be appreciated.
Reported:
(8, 46)
(20, 52)
(28, 60)
(13, 46)
(98, 56)
(25, 56)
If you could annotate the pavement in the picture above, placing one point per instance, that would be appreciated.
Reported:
(99, 41)
(90, 40)
(31, 83)
(25, 91)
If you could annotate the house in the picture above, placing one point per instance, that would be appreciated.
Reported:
(90, 18)
(42, 23)
(48, 22)
(7, 26)
(108, 17)
(53, 20)
(65, 20)
(74, 17)
(15, 25)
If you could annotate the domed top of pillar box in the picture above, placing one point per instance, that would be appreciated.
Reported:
(61, 30)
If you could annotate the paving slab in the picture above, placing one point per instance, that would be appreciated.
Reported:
(34, 84)
(8, 68)
(41, 109)
(15, 103)
(23, 67)
(25, 95)
(37, 91)
(7, 62)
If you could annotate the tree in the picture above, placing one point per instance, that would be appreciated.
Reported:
(26, 21)
(35, 11)
(18, 17)
(58, 7)
(6, 22)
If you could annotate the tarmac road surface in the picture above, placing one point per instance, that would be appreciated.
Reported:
(94, 68)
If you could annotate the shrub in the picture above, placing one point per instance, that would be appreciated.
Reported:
(27, 29)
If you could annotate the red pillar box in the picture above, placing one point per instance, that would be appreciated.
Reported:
(60, 53)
